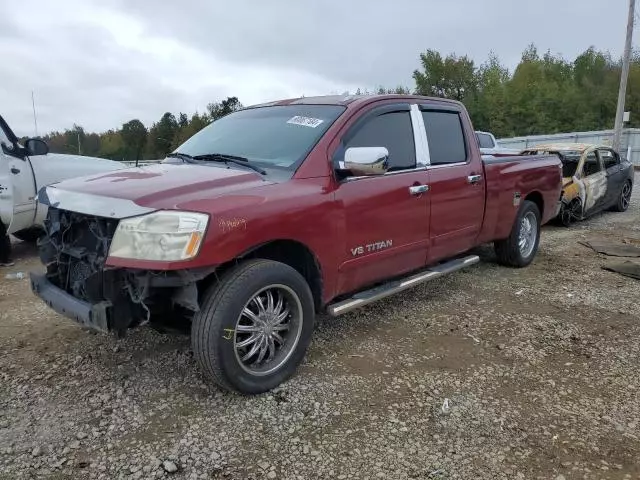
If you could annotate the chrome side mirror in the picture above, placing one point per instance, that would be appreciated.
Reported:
(366, 161)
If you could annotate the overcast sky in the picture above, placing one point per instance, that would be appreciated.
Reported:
(100, 63)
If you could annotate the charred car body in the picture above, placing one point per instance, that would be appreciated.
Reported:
(279, 211)
(595, 178)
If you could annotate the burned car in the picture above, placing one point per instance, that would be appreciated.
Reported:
(594, 178)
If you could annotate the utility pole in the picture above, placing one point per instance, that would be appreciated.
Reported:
(78, 132)
(622, 93)
(35, 120)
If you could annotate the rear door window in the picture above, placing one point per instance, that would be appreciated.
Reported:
(445, 136)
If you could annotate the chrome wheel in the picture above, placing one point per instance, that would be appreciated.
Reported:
(268, 329)
(625, 197)
(528, 234)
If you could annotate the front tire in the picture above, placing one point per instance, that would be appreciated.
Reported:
(254, 327)
(520, 248)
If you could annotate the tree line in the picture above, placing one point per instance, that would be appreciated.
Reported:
(134, 141)
(544, 94)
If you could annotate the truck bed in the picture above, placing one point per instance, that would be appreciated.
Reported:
(511, 179)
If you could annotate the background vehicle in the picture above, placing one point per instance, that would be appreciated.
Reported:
(278, 211)
(26, 169)
(489, 146)
(595, 178)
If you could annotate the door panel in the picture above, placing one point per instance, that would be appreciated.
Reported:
(457, 192)
(457, 209)
(386, 221)
(6, 182)
(6, 191)
(595, 184)
(614, 173)
(386, 227)
(24, 193)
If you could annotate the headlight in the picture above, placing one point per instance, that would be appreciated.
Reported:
(162, 236)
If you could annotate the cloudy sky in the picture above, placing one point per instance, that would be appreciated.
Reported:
(100, 63)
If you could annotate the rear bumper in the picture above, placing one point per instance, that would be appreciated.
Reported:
(93, 316)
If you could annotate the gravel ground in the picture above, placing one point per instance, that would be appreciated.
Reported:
(490, 373)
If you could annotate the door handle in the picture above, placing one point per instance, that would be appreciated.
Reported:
(474, 179)
(15, 171)
(418, 189)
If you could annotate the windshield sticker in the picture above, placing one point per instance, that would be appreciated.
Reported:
(305, 121)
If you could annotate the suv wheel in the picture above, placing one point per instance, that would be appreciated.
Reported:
(520, 248)
(254, 327)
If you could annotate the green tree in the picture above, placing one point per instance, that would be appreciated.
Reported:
(490, 107)
(197, 123)
(111, 145)
(220, 109)
(162, 134)
(451, 77)
(183, 120)
(134, 137)
(399, 90)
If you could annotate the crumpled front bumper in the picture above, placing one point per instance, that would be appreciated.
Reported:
(93, 316)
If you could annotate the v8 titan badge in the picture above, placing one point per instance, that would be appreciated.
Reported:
(371, 247)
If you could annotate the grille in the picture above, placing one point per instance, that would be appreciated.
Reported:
(75, 249)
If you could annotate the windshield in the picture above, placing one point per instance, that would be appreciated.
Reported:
(274, 137)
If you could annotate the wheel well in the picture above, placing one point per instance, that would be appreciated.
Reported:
(536, 198)
(289, 252)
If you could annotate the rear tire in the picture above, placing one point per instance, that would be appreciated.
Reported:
(224, 335)
(520, 248)
(624, 198)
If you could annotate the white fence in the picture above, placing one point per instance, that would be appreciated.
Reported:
(630, 141)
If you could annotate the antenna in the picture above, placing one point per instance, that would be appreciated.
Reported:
(35, 120)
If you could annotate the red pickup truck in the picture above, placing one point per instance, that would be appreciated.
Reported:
(283, 210)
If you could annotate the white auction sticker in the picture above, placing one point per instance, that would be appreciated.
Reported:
(305, 121)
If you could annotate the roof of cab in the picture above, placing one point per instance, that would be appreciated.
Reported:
(349, 99)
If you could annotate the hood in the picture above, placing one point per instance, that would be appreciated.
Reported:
(164, 185)
(103, 163)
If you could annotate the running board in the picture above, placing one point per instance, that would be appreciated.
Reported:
(373, 295)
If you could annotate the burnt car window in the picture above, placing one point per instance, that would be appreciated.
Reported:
(391, 130)
(446, 137)
(570, 161)
(591, 164)
(609, 158)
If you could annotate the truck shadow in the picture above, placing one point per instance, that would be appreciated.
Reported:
(23, 250)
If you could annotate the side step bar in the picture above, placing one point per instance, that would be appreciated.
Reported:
(369, 296)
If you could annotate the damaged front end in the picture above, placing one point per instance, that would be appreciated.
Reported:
(571, 203)
(79, 285)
